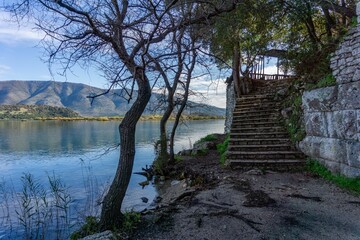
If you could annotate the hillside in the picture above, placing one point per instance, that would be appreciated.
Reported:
(74, 96)
(34, 111)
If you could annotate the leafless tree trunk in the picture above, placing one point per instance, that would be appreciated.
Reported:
(111, 208)
(186, 88)
(171, 87)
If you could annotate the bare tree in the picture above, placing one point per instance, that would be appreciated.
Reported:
(170, 67)
(186, 60)
(189, 66)
(115, 36)
(175, 71)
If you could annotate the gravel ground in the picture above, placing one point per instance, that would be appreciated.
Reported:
(229, 204)
(212, 202)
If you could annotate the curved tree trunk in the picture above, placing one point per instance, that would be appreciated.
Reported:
(164, 155)
(111, 215)
(176, 123)
(173, 131)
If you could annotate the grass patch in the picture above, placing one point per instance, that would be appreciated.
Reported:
(294, 124)
(178, 158)
(91, 226)
(208, 138)
(200, 152)
(131, 222)
(351, 184)
(326, 81)
(222, 148)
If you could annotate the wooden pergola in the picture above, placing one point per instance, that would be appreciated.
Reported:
(258, 72)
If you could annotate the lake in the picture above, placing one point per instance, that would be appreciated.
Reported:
(83, 154)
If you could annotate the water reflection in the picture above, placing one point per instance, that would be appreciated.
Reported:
(43, 147)
(55, 136)
(77, 153)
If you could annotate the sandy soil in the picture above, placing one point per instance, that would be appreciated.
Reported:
(235, 204)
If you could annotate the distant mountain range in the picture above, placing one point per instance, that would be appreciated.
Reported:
(74, 96)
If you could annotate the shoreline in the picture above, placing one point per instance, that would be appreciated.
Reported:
(116, 118)
(214, 202)
(205, 200)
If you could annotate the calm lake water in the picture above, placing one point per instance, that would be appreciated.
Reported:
(83, 155)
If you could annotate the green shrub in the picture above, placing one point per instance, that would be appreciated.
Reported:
(131, 221)
(309, 61)
(354, 21)
(159, 166)
(178, 158)
(351, 184)
(294, 123)
(222, 148)
(91, 226)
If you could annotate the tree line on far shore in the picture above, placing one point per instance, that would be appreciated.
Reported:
(35, 111)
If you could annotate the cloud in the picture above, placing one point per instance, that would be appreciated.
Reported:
(213, 92)
(4, 69)
(272, 70)
(11, 32)
(210, 92)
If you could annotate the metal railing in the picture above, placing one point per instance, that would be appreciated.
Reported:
(269, 76)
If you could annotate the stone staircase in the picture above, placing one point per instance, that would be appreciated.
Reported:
(257, 136)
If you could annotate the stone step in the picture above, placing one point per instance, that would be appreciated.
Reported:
(257, 137)
(271, 129)
(255, 111)
(258, 103)
(259, 108)
(258, 141)
(260, 148)
(255, 117)
(255, 101)
(257, 155)
(268, 89)
(252, 105)
(281, 134)
(278, 164)
(252, 124)
(256, 107)
(249, 99)
(254, 96)
(251, 121)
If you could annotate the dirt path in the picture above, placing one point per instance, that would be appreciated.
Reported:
(230, 204)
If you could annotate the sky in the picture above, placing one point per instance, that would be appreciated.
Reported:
(23, 58)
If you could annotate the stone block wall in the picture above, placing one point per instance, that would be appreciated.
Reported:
(230, 105)
(332, 114)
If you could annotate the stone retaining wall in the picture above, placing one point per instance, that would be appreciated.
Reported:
(332, 114)
(230, 105)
